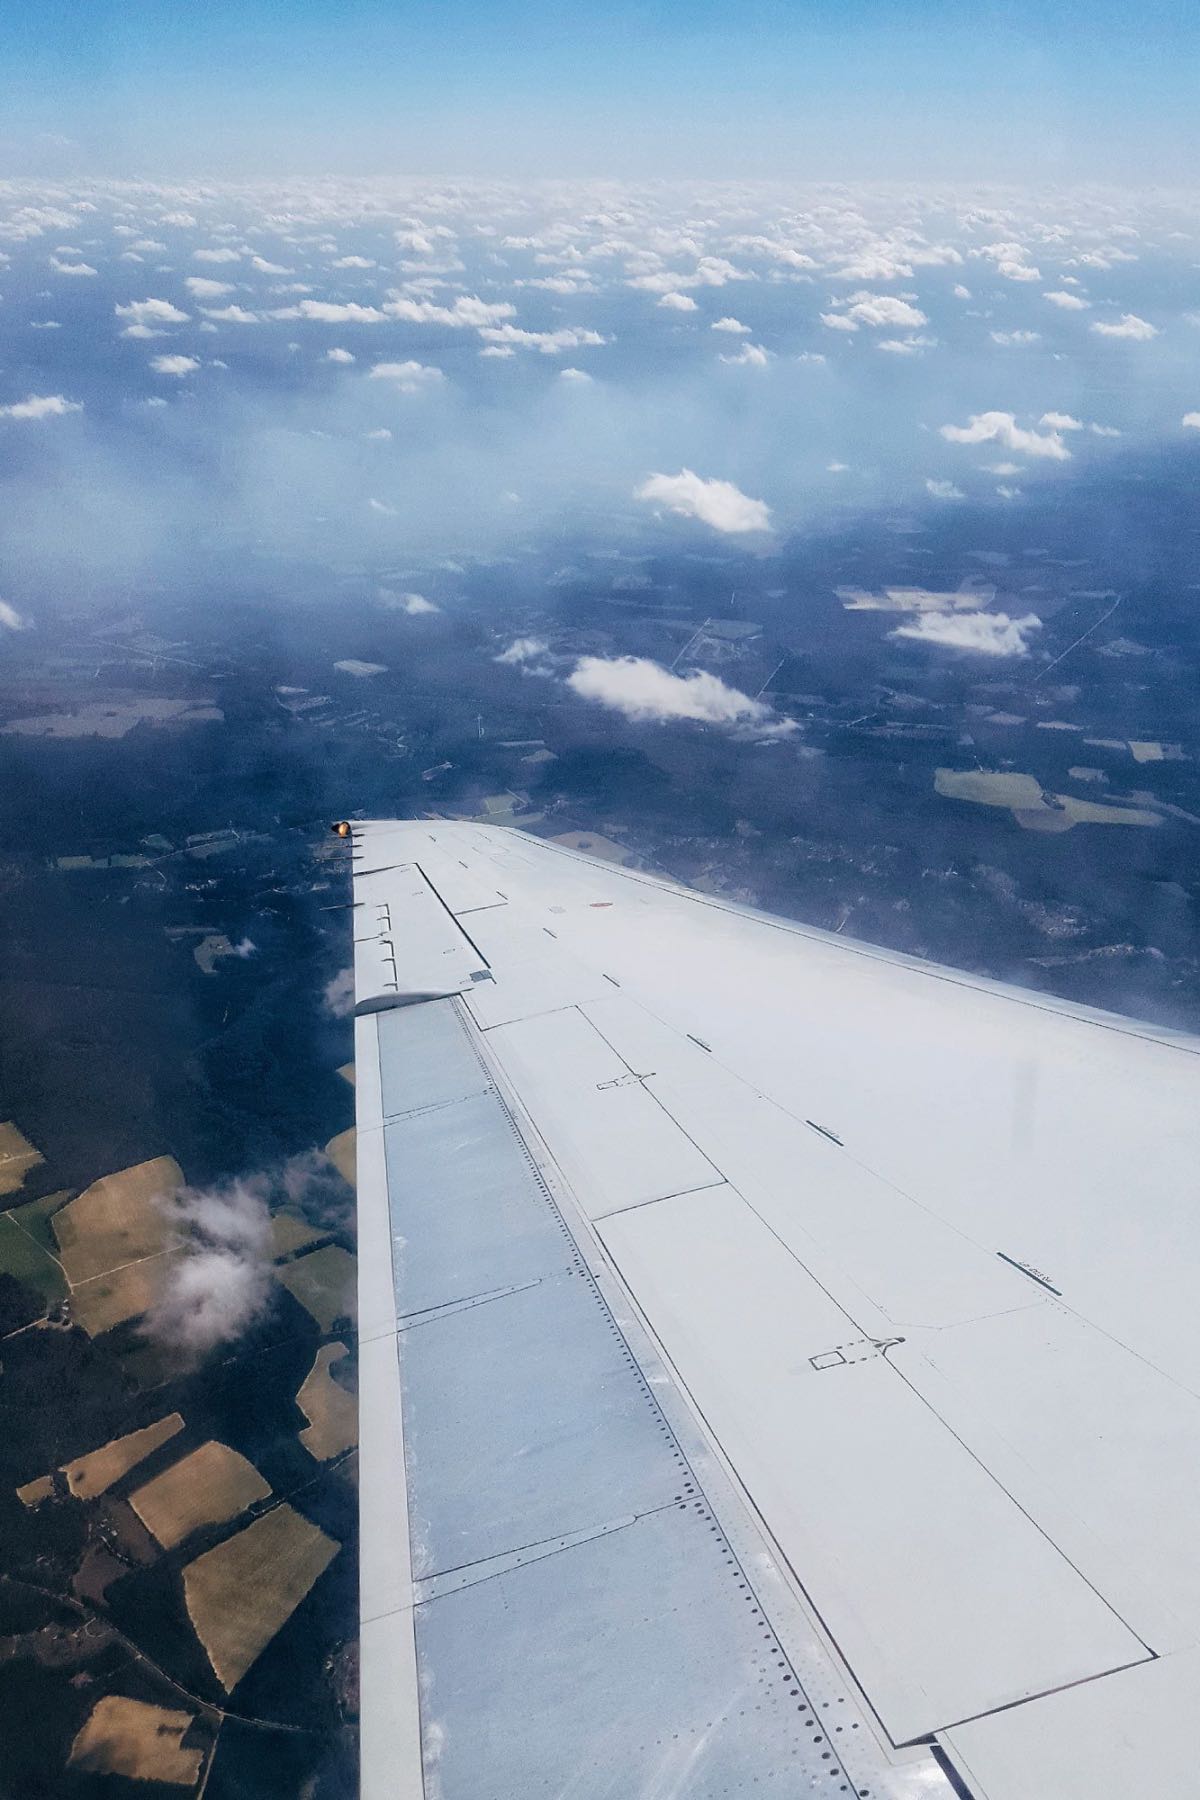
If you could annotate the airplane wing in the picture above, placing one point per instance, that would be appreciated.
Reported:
(778, 1358)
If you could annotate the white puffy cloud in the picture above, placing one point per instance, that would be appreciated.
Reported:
(10, 618)
(269, 268)
(221, 1279)
(715, 502)
(412, 604)
(201, 287)
(1015, 339)
(338, 355)
(750, 355)
(960, 292)
(408, 376)
(231, 315)
(674, 302)
(644, 691)
(174, 365)
(550, 343)
(522, 650)
(1191, 421)
(1059, 421)
(71, 268)
(223, 254)
(1137, 331)
(838, 322)
(1067, 302)
(883, 310)
(147, 316)
(1002, 428)
(710, 271)
(468, 311)
(983, 633)
(40, 406)
(332, 312)
(732, 325)
(354, 262)
(944, 490)
(576, 377)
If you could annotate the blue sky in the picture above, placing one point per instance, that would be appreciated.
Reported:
(941, 89)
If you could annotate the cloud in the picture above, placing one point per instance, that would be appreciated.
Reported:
(578, 376)
(716, 503)
(550, 343)
(412, 604)
(1002, 428)
(337, 355)
(10, 618)
(354, 262)
(1016, 339)
(269, 268)
(944, 490)
(221, 255)
(643, 691)
(1057, 421)
(877, 310)
(674, 302)
(522, 650)
(145, 317)
(749, 356)
(231, 315)
(408, 376)
(338, 994)
(332, 312)
(76, 268)
(200, 287)
(468, 311)
(1068, 302)
(220, 1282)
(1191, 421)
(960, 292)
(1138, 331)
(984, 634)
(41, 406)
(174, 365)
(730, 325)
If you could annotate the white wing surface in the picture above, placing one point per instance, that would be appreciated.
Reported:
(779, 1369)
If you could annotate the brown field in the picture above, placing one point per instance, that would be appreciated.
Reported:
(17, 1157)
(243, 1591)
(34, 1492)
(289, 1233)
(143, 1743)
(95, 1473)
(331, 1412)
(208, 1487)
(109, 1300)
(324, 1283)
(342, 1153)
(117, 1220)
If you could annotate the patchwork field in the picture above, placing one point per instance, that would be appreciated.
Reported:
(143, 1743)
(208, 1487)
(17, 1157)
(96, 1472)
(331, 1412)
(243, 1591)
(324, 1282)
(116, 1221)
